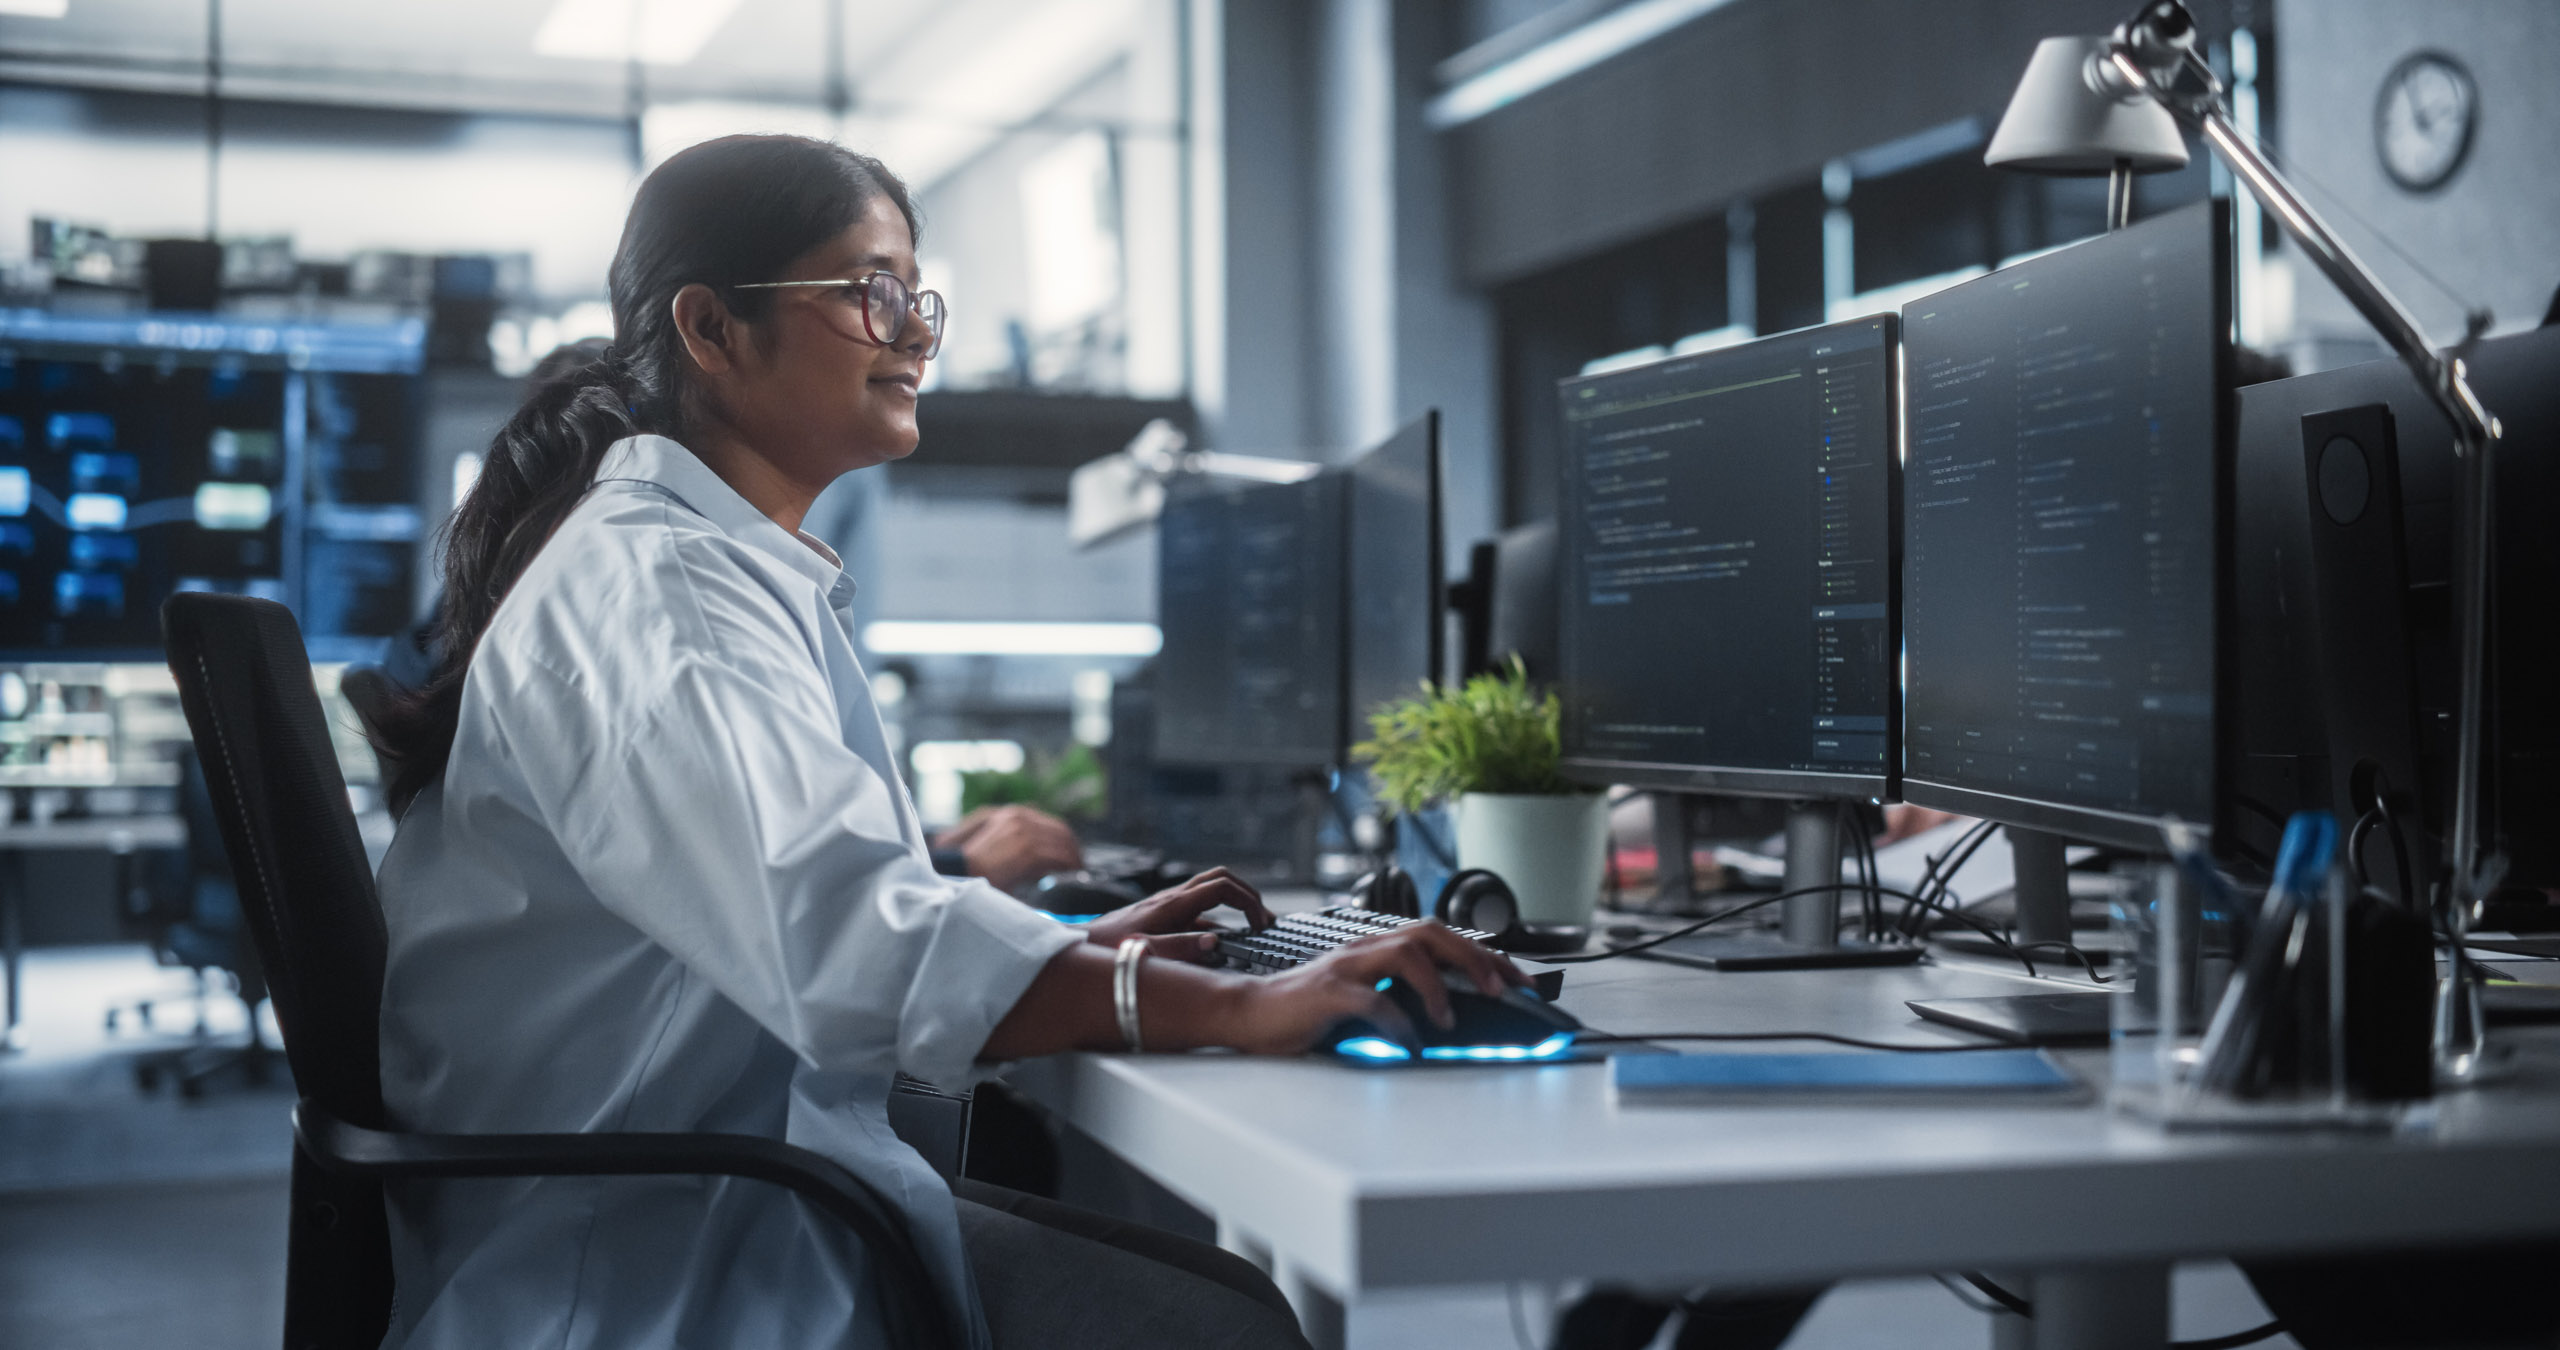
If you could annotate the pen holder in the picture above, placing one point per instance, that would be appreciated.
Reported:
(2303, 1008)
(2182, 943)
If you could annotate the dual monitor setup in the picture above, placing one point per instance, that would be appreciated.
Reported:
(2023, 552)
(1290, 610)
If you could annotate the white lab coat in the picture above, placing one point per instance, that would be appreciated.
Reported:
(671, 881)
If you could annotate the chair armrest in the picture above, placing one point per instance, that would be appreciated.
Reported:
(914, 1310)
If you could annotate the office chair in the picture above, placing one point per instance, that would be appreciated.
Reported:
(244, 680)
(194, 921)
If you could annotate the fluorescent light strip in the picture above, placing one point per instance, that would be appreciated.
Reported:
(665, 32)
(912, 637)
(1618, 31)
(35, 9)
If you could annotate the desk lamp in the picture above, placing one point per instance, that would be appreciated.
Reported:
(2059, 124)
(2087, 103)
(1125, 489)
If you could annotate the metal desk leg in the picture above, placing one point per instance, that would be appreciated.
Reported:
(12, 882)
(2102, 1308)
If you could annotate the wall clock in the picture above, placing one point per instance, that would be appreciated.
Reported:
(2422, 122)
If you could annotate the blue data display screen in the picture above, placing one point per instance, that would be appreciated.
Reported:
(2061, 522)
(123, 480)
(1727, 581)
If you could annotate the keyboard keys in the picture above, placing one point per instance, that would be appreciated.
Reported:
(1299, 938)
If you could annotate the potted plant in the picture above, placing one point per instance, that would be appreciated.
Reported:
(1490, 749)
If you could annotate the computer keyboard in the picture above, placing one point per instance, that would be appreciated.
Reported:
(1299, 938)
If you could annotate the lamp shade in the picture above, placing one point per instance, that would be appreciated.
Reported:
(2060, 123)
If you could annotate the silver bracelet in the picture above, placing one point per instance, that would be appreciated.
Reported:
(1124, 988)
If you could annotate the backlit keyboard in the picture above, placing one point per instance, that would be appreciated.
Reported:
(1299, 938)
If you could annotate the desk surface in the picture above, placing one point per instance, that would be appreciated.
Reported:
(1372, 1179)
(113, 833)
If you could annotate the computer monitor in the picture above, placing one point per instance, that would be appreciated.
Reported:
(142, 455)
(120, 483)
(1249, 599)
(1726, 602)
(2065, 536)
(2344, 644)
(1507, 606)
(1392, 641)
(1726, 594)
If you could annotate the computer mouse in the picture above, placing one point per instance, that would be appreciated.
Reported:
(1514, 1024)
(1070, 893)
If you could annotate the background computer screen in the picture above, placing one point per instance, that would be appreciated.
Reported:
(1249, 596)
(2063, 511)
(142, 455)
(1392, 640)
(121, 482)
(1520, 604)
(1726, 601)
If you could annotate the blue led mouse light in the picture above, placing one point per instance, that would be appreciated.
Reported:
(1372, 1047)
(1382, 984)
(1547, 1049)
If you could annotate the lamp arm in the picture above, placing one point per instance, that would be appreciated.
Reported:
(2141, 60)
(2153, 55)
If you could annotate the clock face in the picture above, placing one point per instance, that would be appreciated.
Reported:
(2422, 124)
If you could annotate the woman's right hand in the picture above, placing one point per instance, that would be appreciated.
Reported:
(1283, 1014)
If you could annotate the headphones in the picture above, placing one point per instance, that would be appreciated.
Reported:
(1473, 898)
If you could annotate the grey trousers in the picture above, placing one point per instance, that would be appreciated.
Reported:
(1061, 1278)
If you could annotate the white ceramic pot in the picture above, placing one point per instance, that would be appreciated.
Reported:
(1552, 850)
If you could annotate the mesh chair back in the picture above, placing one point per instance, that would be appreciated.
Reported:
(306, 887)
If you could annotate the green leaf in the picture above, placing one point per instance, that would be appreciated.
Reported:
(1492, 734)
(1071, 786)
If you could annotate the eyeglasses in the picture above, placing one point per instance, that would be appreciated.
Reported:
(887, 306)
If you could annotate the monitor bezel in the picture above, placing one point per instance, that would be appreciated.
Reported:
(2096, 825)
(1742, 781)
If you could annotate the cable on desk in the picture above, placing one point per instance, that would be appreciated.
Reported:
(1619, 1038)
(1946, 879)
(1996, 1294)
(1957, 912)
(2087, 962)
(1942, 868)
(1939, 873)
(1862, 843)
(1966, 1297)
(1835, 887)
(2024, 1308)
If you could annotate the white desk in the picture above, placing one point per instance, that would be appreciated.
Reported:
(119, 835)
(1356, 1180)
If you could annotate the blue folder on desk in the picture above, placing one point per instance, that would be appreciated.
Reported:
(1878, 1076)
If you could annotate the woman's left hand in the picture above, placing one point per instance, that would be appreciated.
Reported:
(1174, 919)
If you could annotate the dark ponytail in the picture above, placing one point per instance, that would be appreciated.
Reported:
(725, 212)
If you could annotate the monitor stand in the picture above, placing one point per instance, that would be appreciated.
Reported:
(1675, 878)
(2042, 884)
(1809, 930)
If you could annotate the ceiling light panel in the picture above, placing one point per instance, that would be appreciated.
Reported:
(35, 9)
(659, 32)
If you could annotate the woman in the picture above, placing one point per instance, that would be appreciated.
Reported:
(660, 873)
